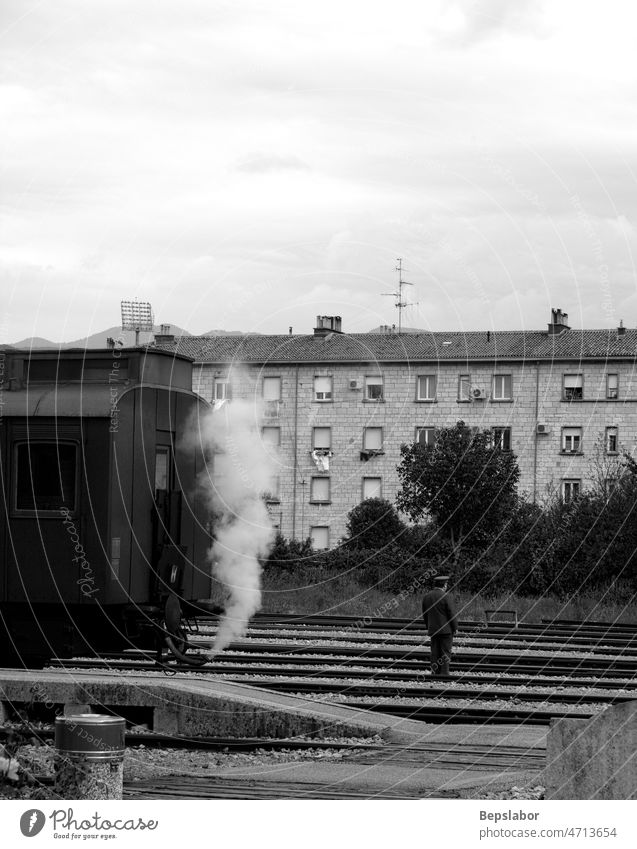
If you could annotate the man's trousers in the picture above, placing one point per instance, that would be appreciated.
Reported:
(441, 655)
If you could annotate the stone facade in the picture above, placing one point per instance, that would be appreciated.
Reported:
(537, 389)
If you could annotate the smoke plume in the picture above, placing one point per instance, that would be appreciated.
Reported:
(242, 472)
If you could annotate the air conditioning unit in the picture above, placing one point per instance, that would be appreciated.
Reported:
(477, 394)
(354, 384)
(541, 428)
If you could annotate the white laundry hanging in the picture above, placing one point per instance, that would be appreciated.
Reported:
(321, 461)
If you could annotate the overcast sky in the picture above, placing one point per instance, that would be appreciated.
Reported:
(249, 165)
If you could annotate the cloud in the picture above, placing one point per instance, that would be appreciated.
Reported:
(483, 19)
(263, 163)
(181, 154)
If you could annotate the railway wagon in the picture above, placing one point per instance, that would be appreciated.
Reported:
(103, 532)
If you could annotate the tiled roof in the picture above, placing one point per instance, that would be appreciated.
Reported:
(366, 347)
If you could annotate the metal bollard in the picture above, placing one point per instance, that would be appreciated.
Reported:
(89, 756)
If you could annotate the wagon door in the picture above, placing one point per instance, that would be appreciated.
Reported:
(44, 546)
(166, 514)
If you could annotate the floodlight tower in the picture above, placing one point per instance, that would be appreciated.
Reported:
(400, 304)
(137, 316)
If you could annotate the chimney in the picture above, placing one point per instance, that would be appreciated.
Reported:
(164, 336)
(559, 322)
(290, 330)
(327, 324)
(621, 330)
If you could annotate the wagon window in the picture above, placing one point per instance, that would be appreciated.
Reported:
(162, 468)
(46, 476)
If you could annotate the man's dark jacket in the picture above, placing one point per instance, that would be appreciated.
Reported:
(438, 613)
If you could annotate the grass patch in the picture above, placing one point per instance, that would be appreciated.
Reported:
(338, 594)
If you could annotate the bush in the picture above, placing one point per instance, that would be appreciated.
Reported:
(289, 552)
(391, 569)
(374, 524)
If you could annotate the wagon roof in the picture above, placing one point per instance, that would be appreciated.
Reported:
(62, 400)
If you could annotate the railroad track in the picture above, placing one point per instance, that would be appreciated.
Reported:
(216, 787)
(498, 640)
(459, 757)
(391, 661)
(466, 715)
(443, 755)
(518, 706)
(302, 686)
(590, 636)
(388, 663)
(554, 661)
(228, 745)
(397, 622)
(124, 662)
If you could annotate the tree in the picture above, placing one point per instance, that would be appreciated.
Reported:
(465, 482)
(374, 524)
(597, 538)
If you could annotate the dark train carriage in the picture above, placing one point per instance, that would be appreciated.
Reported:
(101, 519)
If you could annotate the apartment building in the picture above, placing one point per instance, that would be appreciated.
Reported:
(336, 407)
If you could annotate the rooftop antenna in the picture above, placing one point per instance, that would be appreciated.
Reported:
(400, 304)
(137, 316)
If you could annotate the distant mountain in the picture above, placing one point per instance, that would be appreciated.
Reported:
(97, 340)
(33, 342)
(229, 333)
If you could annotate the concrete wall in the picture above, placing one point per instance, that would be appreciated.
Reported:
(537, 397)
(593, 759)
(192, 707)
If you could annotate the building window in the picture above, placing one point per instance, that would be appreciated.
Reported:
(612, 386)
(46, 476)
(426, 387)
(320, 537)
(321, 438)
(501, 438)
(271, 388)
(611, 440)
(426, 436)
(372, 442)
(373, 439)
(322, 388)
(571, 440)
(502, 387)
(222, 389)
(374, 388)
(464, 387)
(320, 491)
(271, 436)
(573, 387)
(372, 488)
(571, 488)
(272, 495)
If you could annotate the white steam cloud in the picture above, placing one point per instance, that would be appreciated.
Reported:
(243, 471)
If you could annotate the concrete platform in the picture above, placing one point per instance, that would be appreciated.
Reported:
(186, 705)
(407, 765)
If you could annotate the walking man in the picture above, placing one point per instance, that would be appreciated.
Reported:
(439, 616)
